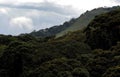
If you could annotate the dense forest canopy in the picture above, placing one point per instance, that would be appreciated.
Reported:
(91, 52)
(104, 29)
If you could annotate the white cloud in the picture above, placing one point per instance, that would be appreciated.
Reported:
(85, 4)
(3, 10)
(78, 4)
(116, 0)
(22, 16)
(22, 23)
(36, 1)
(8, 1)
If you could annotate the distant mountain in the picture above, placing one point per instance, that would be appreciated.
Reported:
(86, 18)
(52, 30)
(73, 24)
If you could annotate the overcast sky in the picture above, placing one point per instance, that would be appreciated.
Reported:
(22, 16)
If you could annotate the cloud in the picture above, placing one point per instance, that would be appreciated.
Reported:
(116, 1)
(19, 1)
(17, 16)
(22, 23)
(8, 1)
(44, 6)
(3, 11)
(78, 4)
(26, 17)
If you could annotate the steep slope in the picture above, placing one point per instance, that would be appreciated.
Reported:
(104, 29)
(73, 24)
(85, 19)
(52, 30)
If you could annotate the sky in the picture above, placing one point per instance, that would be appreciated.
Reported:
(24, 16)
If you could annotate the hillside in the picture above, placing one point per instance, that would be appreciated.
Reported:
(104, 29)
(73, 24)
(52, 31)
(91, 52)
(85, 19)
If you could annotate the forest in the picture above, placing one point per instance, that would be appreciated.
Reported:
(93, 51)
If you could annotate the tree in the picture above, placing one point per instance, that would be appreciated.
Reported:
(104, 31)
(80, 72)
(112, 72)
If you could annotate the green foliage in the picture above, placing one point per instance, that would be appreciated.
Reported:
(80, 72)
(112, 72)
(15, 58)
(5, 40)
(85, 19)
(61, 67)
(100, 32)
(72, 25)
(66, 56)
(52, 31)
(2, 47)
(103, 60)
(27, 56)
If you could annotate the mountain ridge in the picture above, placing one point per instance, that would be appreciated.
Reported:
(86, 18)
(74, 24)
